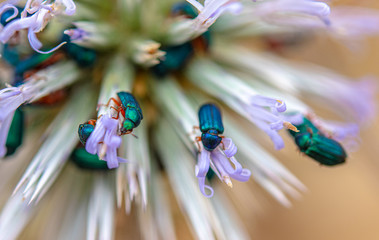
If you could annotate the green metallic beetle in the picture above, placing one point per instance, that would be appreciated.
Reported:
(80, 156)
(85, 160)
(85, 130)
(178, 56)
(129, 109)
(84, 57)
(16, 132)
(316, 145)
(210, 126)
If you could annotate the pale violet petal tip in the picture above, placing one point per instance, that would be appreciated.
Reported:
(70, 7)
(203, 161)
(203, 186)
(281, 106)
(244, 176)
(276, 125)
(296, 118)
(230, 148)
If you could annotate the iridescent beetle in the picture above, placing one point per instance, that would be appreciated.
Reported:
(177, 56)
(184, 9)
(85, 160)
(16, 132)
(316, 145)
(80, 156)
(84, 57)
(85, 130)
(129, 109)
(36, 61)
(127, 106)
(210, 125)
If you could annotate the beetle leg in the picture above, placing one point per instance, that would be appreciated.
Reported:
(118, 112)
(197, 140)
(118, 104)
(134, 135)
(313, 118)
(114, 100)
(92, 122)
(127, 132)
(223, 145)
(194, 129)
(120, 109)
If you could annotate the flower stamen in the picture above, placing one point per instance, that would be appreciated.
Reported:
(290, 126)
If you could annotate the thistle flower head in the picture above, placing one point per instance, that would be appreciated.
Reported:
(166, 60)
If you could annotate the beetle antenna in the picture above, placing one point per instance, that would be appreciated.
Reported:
(134, 135)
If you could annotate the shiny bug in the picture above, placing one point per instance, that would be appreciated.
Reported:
(129, 109)
(85, 130)
(85, 160)
(16, 132)
(210, 126)
(316, 145)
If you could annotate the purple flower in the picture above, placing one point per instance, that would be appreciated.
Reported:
(70, 6)
(212, 10)
(10, 99)
(264, 112)
(76, 34)
(42, 12)
(344, 132)
(354, 22)
(4, 129)
(269, 121)
(286, 12)
(7, 6)
(220, 161)
(104, 141)
(357, 97)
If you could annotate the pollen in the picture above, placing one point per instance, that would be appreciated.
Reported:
(289, 126)
(228, 181)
